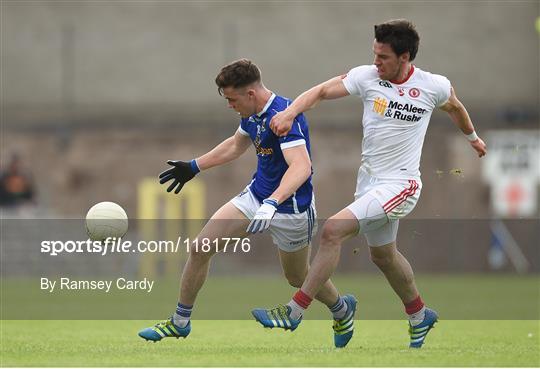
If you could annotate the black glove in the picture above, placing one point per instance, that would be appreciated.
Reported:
(181, 172)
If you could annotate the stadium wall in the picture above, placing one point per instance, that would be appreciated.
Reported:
(111, 57)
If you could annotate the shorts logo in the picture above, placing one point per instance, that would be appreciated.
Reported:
(379, 105)
(414, 92)
(302, 241)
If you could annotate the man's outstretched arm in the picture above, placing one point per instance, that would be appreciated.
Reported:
(182, 172)
(332, 89)
(228, 150)
(461, 118)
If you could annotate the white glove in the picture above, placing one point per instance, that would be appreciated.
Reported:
(263, 216)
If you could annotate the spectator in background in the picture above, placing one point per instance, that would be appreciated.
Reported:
(16, 185)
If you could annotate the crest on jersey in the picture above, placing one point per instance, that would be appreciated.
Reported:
(414, 92)
(401, 91)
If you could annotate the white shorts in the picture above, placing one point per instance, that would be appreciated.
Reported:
(395, 199)
(290, 232)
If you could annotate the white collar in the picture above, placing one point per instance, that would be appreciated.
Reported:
(268, 103)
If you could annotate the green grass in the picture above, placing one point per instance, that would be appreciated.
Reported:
(455, 297)
(224, 334)
(245, 343)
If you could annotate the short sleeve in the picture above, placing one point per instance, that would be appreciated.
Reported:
(295, 137)
(354, 81)
(443, 89)
(242, 129)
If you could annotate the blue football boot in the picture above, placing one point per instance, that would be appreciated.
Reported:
(278, 317)
(344, 327)
(164, 329)
(419, 332)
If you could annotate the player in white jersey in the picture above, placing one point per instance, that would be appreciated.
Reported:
(398, 101)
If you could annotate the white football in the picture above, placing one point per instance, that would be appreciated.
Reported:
(106, 219)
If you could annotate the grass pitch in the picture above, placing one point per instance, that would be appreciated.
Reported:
(242, 343)
(225, 335)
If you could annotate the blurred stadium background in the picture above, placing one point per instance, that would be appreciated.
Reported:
(96, 96)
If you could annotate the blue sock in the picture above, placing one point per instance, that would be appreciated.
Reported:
(182, 315)
(339, 308)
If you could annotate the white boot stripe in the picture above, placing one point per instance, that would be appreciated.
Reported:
(422, 329)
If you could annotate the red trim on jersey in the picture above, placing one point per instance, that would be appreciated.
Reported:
(411, 71)
(401, 197)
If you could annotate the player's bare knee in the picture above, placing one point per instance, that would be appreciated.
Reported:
(331, 234)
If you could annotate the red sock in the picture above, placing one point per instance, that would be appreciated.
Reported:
(302, 299)
(414, 306)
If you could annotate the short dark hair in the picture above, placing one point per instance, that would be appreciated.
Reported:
(400, 34)
(240, 73)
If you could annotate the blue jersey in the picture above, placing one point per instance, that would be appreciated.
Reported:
(271, 165)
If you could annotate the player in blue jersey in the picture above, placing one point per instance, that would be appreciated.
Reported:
(278, 198)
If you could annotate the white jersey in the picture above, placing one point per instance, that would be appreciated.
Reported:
(396, 117)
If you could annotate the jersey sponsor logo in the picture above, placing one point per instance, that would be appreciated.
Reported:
(414, 92)
(410, 108)
(406, 117)
(379, 105)
(262, 151)
(397, 110)
(385, 84)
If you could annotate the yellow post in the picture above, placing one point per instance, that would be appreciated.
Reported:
(155, 206)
